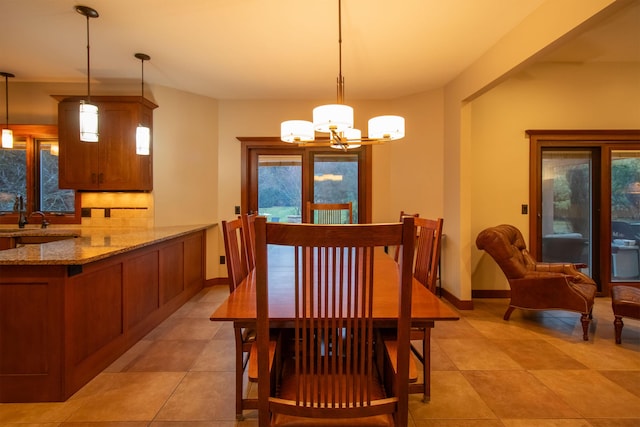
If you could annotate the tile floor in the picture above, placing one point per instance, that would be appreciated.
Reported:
(533, 370)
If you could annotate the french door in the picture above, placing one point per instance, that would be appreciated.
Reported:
(278, 179)
(585, 202)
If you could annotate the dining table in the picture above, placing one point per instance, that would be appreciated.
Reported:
(240, 306)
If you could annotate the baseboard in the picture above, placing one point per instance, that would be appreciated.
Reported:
(216, 281)
(491, 293)
(457, 303)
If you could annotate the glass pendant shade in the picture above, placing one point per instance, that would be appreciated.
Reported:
(7, 138)
(386, 127)
(297, 131)
(54, 149)
(143, 140)
(336, 117)
(88, 122)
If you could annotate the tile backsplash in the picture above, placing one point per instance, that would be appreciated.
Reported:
(117, 209)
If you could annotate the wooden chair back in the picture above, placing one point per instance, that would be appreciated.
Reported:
(234, 247)
(427, 259)
(249, 230)
(331, 371)
(329, 213)
(403, 214)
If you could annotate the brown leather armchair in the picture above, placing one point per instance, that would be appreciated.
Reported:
(535, 285)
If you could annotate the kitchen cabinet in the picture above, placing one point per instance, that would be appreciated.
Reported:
(111, 164)
(63, 324)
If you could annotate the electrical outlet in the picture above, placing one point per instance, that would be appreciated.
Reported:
(525, 209)
(222, 259)
(237, 210)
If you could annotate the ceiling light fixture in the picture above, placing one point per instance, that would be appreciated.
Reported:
(88, 111)
(7, 134)
(143, 133)
(337, 120)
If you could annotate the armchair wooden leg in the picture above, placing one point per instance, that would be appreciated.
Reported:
(507, 313)
(584, 318)
(618, 324)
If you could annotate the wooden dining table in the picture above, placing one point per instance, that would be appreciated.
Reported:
(240, 305)
(426, 308)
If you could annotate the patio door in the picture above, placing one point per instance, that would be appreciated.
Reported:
(585, 202)
(278, 179)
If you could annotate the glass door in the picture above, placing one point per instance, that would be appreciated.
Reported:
(567, 200)
(335, 179)
(280, 187)
(625, 215)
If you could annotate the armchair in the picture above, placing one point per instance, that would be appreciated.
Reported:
(536, 285)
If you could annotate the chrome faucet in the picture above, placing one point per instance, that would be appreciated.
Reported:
(22, 220)
(44, 221)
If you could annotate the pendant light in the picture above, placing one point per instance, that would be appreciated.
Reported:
(337, 120)
(143, 133)
(88, 111)
(7, 134)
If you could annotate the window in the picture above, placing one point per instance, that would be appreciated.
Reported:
(30, 170)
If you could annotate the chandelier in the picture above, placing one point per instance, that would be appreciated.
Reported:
(337, 120)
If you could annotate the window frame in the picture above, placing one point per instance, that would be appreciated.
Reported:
(32, 134)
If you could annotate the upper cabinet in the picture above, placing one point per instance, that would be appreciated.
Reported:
(111, 164)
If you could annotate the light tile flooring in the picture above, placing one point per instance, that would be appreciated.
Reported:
(533, 370)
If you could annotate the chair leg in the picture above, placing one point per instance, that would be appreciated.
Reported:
(239, 372)
(507, 313)
(426, 364)
(584, 318)
(618, 324)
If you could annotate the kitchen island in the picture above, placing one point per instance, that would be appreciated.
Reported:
(70, 307)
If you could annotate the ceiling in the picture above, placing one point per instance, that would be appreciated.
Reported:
(281, 49)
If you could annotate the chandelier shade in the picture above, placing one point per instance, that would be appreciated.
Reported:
(294, 131)
(7, 134)
(88, 111)
(332, 117)
(386, 127)
(337, 120)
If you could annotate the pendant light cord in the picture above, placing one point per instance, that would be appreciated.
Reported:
(88, 65)
(6, 96)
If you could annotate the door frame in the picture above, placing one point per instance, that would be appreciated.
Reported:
(600, 142)
(262, 145)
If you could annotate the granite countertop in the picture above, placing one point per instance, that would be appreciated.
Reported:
(91, 244)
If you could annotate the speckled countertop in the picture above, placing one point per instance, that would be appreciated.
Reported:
(91, 244)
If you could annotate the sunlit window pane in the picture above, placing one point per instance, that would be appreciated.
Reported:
(52, 198)
(13, 175)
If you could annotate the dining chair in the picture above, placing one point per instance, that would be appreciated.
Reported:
(425, 270)
(403, 214)
(237, 270)
(329, 213)
(330, 370)
(248, 227)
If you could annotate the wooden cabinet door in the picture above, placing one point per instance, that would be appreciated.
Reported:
(111, 164)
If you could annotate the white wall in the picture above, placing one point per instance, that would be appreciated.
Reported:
(545, 96)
